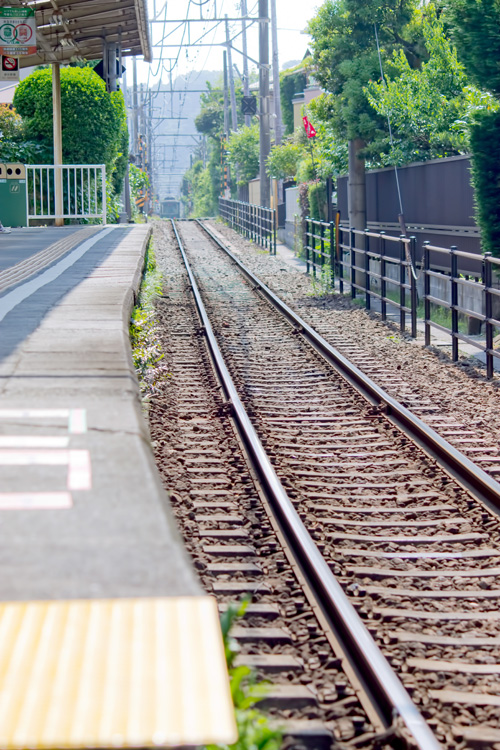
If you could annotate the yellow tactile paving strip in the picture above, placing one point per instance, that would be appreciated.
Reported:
(113, 673)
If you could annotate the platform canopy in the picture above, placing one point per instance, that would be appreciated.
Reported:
(78, 29)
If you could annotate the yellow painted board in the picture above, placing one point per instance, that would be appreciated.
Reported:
(113, 673)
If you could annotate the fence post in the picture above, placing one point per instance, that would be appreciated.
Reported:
(321, 246)
(104, 196)
(306, 243)
(488, 303)
(367, 271)
(427, 291)
(402, 281)
(352, 260)
(383, 285)
(332, 254)
(454, 303)
(413, 285)
(340, 259)
(275, 229)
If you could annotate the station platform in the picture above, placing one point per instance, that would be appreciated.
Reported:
(101, 614)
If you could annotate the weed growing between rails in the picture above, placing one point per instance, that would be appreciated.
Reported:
(322, 285)
(146, 349)
(254, 730)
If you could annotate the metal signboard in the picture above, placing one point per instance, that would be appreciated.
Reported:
(17, 31)
(9, 68)
(249, 105)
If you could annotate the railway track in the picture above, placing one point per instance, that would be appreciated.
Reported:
(470, 429)
(415, 553)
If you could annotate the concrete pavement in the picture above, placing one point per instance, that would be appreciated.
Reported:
(83, 513)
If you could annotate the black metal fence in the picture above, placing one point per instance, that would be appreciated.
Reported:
(256, 223)
(383, 270)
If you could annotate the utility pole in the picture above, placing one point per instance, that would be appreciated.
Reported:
(149, 141)
(135, 111)
(126, 183)
(265, 136)
(278, 126)
(226, 104)
(234, 115)
(246, 82)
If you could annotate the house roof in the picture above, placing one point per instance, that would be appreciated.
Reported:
(73, 29)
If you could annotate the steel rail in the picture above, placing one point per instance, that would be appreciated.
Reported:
(390, 696)
(472, 478)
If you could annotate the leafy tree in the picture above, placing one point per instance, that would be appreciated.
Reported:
(292, 81)
(430, 107)
(14, 143)
(197, 188)
(476, 30)
(93, 120)
(345, 59)
(475, 27)
(243, 148)
(283, 161)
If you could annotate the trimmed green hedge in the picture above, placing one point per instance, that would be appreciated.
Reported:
(485, 147)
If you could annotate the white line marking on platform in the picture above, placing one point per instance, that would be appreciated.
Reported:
(79, 472)
(77, 423)
(35, 500)
(34, 413)
(10, 300)
(32, 441)
(33, 457)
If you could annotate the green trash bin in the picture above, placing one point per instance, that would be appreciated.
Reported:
(13, 197)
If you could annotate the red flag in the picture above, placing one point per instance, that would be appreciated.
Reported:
(309, 128)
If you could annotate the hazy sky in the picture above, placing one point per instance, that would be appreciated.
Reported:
(292, 19)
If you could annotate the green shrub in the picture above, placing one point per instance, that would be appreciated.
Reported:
(485, 147)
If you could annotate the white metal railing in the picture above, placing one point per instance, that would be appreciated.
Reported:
(69, 191)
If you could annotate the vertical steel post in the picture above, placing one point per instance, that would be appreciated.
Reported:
(57, 130)
(454, 303)
(413, 284)
(234, 114)
(383, 284)
(352, 258)
(246, 82)
(402, 281)
(332, 254)
(488, 301)
(340, 257)
(321, 245)
(265, 135)
(306, 244)
(275, 229)
(367, 271)
(427, 291)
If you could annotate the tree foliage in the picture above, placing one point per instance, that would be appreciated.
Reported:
(243, 148)
(198, 191)
(93, 120)
(283, 161)
(475, 26)
(14, 143)
(485, 145)
(430, 107)
(292, 81)
(345, 56)
(476, 30)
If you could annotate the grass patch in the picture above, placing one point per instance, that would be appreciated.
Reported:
(146, 349)
(254, 730)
